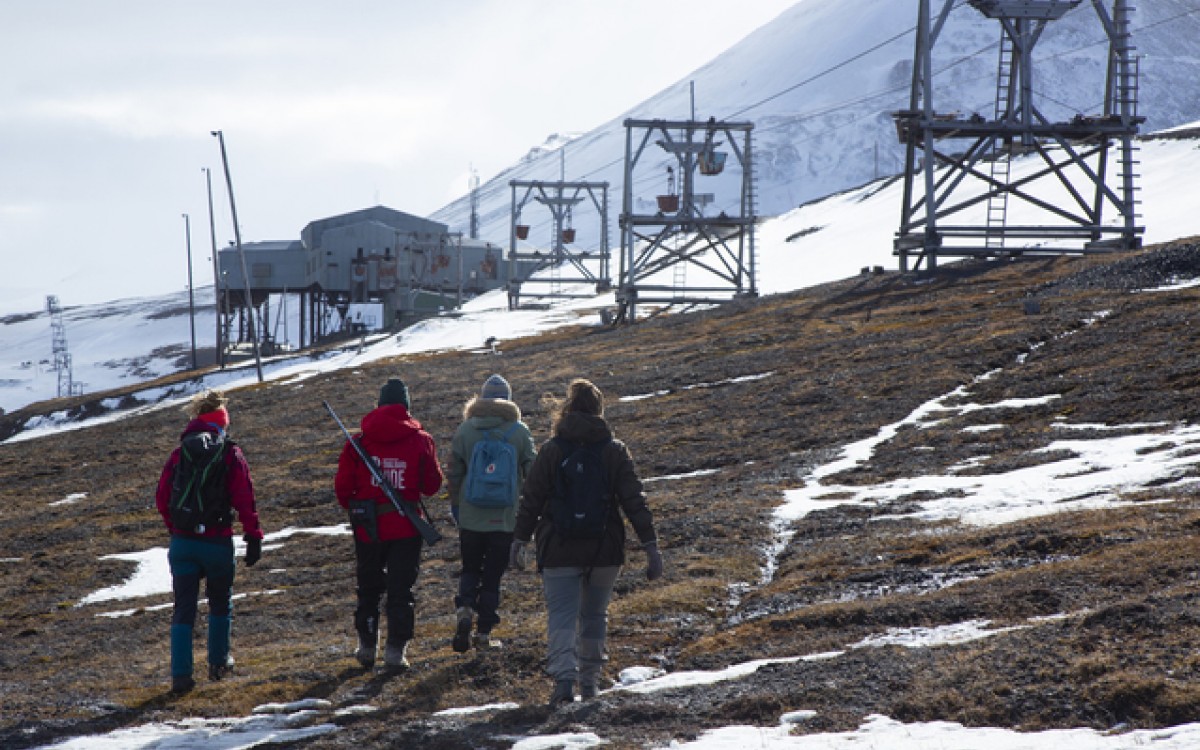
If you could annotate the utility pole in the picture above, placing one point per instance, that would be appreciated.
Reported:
(212, 233)
(237, 236)
(187, 224)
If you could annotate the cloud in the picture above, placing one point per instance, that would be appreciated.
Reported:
(351, 124)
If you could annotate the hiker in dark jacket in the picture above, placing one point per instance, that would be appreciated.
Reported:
(578, 575)
(389, 564)
(207, 554)
(484, 531)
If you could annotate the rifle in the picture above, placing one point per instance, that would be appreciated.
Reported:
(423, 527)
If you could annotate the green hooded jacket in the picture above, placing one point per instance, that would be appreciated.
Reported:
(479, 416)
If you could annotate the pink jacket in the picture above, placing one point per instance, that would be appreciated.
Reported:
(237, 475)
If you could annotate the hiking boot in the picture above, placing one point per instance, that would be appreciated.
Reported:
(182, 683)
(588, 689)
(395, 656)
(219, 671)
(485, 642)
(564, 693)
(365, 654)
(462, 631)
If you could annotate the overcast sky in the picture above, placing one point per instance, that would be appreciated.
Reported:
(325, 106)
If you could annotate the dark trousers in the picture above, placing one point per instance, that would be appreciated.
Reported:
(387, 568)
(193, 560)
(484, 560)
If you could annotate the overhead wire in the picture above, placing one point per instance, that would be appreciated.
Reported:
(533, 164)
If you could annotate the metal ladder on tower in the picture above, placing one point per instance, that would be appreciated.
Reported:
(752, 211)
(556, 275)
(1001, 156)
(1127, 103)
(679, 272)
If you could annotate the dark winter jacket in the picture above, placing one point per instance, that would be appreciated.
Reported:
(628, 497)
(479, 416)
(407, 458)
(237, 478)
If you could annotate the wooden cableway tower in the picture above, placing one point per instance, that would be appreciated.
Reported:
(568, 262)
(959, 187)
(681, 232)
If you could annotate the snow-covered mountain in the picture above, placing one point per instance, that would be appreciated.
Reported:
(820, 83)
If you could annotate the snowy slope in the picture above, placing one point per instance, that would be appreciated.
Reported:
(825, 78)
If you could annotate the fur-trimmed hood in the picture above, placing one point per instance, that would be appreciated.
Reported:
(492, 407)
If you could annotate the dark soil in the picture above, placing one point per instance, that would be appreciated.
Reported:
(833, 364)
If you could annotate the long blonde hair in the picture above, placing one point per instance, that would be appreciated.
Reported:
(203, 403)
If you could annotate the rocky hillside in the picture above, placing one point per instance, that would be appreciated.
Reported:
(747, 399)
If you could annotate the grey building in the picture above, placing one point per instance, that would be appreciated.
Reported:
(409, 265)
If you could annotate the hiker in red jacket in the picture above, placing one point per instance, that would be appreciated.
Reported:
(388, 551)
(205, 549)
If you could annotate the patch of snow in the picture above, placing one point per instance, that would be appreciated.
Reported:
(307, 704)
(465, 710)
(71, 499)
(567, 741)
(688, 475)
(961, 632)
(882, 732)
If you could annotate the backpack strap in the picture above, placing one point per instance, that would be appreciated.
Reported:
(491, 432)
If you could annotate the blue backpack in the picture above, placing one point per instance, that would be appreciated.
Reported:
(491, 480)
(581, 500)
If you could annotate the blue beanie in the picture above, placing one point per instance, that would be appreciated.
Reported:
(496, 387)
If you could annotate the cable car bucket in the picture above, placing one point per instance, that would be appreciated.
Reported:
(669, 203)
(711, 162)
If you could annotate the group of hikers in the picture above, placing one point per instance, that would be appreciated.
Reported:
(566, 498)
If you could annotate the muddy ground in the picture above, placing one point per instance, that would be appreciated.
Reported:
(753, 394)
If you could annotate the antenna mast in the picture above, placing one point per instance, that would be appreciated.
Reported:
(62, 357)
(474, 184)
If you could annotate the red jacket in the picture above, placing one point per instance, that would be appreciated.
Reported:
(406, 455)
(237, 475)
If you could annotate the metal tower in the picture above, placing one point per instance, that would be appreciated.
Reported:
(560, 198)
(62, 358)
(956, 165)
(474, 185)
(679, 234)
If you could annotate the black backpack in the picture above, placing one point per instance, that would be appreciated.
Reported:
(580, 503)
(199, 495)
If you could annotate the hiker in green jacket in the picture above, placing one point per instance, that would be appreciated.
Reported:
(485, 483)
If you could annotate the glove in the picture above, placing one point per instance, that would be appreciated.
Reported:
(654, 561)
(516, 555)
(253, 550)
(454, 513)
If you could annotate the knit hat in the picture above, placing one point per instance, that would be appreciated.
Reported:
(496, 387)
(394, 392)
(218, 417)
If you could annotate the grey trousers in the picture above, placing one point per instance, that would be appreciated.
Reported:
(577, 620)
